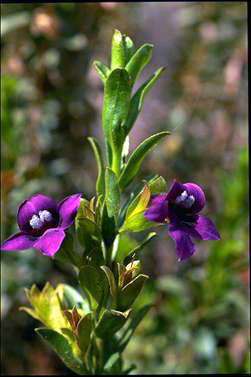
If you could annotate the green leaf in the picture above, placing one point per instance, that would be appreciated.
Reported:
(84, 330)
(128, 272)
(86, 210)
(70, 335)
(62, 347)
(135, 221)
(122, 245)
(46, 306)
(111, 280)
(98, 210)
(138, 223)
(119, 50)
(70, 297)
(137, 100)
(66, 253)
(88, 234)
(130, 292)
(137, 157)
(135, 252)
(138, 61)
(135, 318)
(158, 185)
(140, 203)
(102, 70)
(129, 48)
(110, 322)
(87, 230)
(114, 364)
(94, 283)
(112, 193)
(100, 183)
(115, 109)
(129, 369)
(108, 227)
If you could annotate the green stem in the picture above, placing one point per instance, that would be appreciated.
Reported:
(116, 163)
(108, 256)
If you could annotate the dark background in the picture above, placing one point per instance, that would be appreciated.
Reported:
(51, 103)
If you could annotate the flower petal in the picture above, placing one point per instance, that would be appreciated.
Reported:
(158, 199)
(32, 206)
(176, 189)
(185, 248)
(158, 209)
(68, 209)
(206, 229)
(198, 193)
(18, 241)
(50, 242)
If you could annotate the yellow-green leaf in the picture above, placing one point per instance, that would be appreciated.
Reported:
(46, 306)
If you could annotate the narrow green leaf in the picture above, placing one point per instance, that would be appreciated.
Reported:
(94, 283)
(114, 364)
(135, 319)
(71, 297)
(135, 252)
(71, 336)
(98, 209)
(108, 227)
(102, 70)
(84, 330)
(123, 244)
(86, 210)
(115, 109)
(31, 312)
(137, 100)
(112, 193)
(121, 270)
(67, 252)
(46, 306)
(130, 292)
(111, 280)
(129, 369)
(135, 221)
(140, 202)
(137, 157)
(119, 50)
(61, 346)
(110, 322)
(138, 61)
(100, 183)
(124, 207)
(88, 234)
(108, 145)
(158, 185)
(138, 223)
(129, 48)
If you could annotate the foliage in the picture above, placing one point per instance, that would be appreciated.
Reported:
(197, 313)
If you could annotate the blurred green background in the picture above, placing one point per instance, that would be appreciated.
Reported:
(51, 102)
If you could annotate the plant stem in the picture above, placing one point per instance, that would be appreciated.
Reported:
(116, 163)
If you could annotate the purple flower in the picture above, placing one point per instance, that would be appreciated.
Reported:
(180, 207)
(42, 223)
